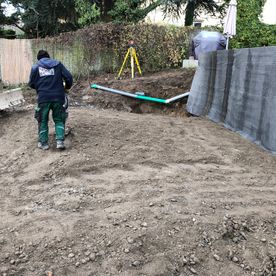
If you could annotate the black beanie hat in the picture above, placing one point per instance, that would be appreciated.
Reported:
(42, 54)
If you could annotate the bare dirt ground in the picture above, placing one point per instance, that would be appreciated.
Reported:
(134, 194)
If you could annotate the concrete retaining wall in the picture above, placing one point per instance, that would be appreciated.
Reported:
(238, 88)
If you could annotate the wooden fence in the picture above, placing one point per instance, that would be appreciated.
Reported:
(18, 55)
(15, 61)
(98, 48)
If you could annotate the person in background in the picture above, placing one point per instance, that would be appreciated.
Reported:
(47, 77)
(207, 41)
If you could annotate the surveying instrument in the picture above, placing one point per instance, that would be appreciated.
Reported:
(133, 58)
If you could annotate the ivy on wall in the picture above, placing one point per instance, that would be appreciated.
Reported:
(251, 32)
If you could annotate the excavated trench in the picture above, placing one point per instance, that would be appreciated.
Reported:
(164, 85)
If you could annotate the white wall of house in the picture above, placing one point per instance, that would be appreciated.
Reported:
(269, 12)
(157, 16)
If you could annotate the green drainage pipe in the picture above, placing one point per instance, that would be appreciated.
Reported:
(140, 97)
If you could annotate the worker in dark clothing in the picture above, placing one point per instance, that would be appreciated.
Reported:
(47, 77)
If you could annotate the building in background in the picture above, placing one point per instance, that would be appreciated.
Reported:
(269, 12)
(204, 19)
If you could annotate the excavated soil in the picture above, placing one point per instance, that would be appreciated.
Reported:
(135, 193)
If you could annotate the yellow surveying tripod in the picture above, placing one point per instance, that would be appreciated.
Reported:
(133, 57)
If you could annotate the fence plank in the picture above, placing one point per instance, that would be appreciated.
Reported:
(15, 60)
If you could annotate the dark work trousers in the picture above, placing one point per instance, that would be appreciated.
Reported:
(42, 115)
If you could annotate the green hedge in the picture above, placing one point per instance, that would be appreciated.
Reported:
(251, 32)
(9, 34)
(103, 47)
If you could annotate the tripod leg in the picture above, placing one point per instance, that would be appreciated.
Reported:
(137, 63)
(132, 62)
(125, 59)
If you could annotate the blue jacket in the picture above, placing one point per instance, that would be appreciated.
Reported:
(47, 78)
(207, 41)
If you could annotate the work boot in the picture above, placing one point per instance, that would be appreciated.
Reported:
(60, 144)
(43, 146)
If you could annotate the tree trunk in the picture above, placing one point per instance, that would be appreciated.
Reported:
(107, 6)
(190, 13)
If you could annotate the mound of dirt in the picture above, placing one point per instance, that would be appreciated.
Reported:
(134, 194)
(166, 84)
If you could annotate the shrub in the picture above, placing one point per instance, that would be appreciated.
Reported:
(9, 34)
(251, 32)
(105, 45)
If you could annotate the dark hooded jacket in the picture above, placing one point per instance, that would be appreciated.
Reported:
(47, 78)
